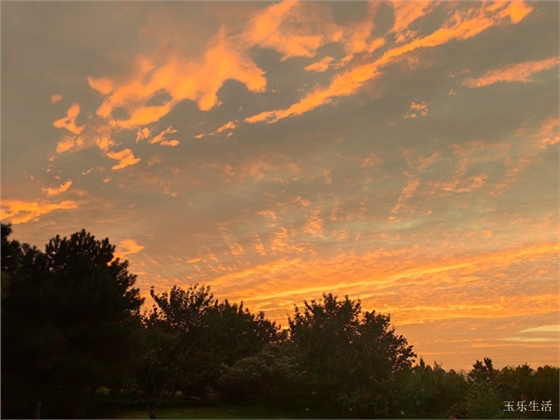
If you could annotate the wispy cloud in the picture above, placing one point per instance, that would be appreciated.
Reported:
(549, 133)
(406, 193)
(230, 125)
(125, 158)
(521, 72)
(17, 211)
(295, 29)
(55, 98)
(69, 122)
(460, 26)
(181, 77)
(59, 190)
(127, 247)
(69, 143)
(420, 108)
(320, 66)
(161, 137)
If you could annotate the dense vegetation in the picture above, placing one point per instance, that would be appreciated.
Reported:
(71, 326)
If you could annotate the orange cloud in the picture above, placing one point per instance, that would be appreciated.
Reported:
(520, 72)
(344, 84)
(69, 122)
(416, 109)
(549, 133)
(125, 158)
(227, 126)
(104, 142)
(17, 211)
(56, 191)
(371, 160)
(196, 79)
(462, 25)
(406, 193)
(463, 185)
(295, 29)
(320, 66)
(381, 276)
(161, 136)
(127, 247)
(517, 10)
(143, 133)
(171, 143)
(55, 98)
(406, 12)
(314, 224)
(69, 143)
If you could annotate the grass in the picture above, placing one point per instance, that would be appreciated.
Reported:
(180, 411)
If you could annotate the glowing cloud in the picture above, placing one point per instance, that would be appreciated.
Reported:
(161, 136)
(549, 133)
(227, 126)
(407, 12)
(464, 185)
(320, 66)
(143, 133)
(371, 160)
(17, 211)
(69, 143)
(55, 98)
(171, 143)
(344, 84)
(56, 191)
(295, 29)
(462, 25)
(127, 247)
(196, 79)
(406, 193)
(104, 142)
(125, 158)
(416, 109)
(520, 72)
(69, 122)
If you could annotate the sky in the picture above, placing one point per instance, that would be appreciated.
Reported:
(401, 153)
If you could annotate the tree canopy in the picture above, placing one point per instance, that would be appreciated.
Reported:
(66, 322)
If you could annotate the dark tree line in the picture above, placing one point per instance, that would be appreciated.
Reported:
(71, 324)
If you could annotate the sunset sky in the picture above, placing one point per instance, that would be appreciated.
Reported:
(403, 153)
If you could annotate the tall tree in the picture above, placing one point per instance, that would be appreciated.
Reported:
(67, 324)
(350, 358)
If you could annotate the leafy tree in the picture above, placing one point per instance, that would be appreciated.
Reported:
(522, 383)
(66, 324)
(350, 358)
(482, 372)
(11, 253)
(273, 377)
(198, 338)
(429, 392)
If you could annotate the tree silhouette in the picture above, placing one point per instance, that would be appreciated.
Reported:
(350, 358)
(66, 324)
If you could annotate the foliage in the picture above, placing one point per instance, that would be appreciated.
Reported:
(66, 323)
(192, 339)
(429, 392)
(336, 362)
(272, 376)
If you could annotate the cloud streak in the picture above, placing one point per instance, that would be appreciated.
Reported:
(125, 158)
(59, 190)
(521, 72)
(127, 247)
(17, 211)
